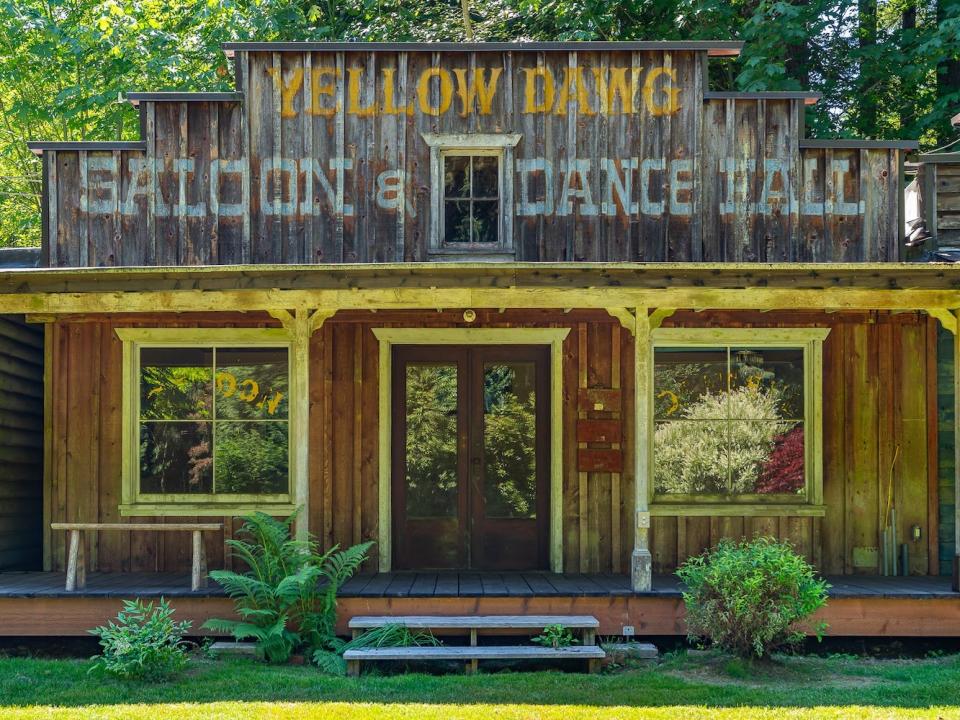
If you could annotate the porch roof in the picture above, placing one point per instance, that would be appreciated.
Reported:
(517, 285)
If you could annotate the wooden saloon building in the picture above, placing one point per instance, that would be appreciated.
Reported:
(543, 320)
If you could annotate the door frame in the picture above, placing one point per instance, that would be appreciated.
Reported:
(388, 337)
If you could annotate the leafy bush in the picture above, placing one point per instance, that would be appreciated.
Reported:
(287, 599)
(751, 598)
(143, 644)
(555, 636)
(391, 635)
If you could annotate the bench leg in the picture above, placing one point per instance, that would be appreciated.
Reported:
(76, 562)
(471, 667)
(589, 636)
(353, 668)
(198, 575)
(593, 665)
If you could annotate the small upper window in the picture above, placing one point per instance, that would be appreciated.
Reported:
(471, 199)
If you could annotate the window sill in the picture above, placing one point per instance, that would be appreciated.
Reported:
(204, 509)
(471, 255)
(736, 510)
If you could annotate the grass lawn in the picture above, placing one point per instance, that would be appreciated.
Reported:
(687, 687)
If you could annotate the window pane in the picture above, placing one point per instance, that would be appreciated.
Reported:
(784, 469)
(175, 457)
(776, 373)
(456, 221)
(456, 176)
(485, 216)
(175, 383)
(690, 457)
(690, 383)
(486, 179)
(509, 440)
(431, 442)
(765, 457)
(252, 383)
(251, 457)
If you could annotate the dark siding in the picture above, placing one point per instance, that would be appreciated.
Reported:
(21, 444)
(946, 471)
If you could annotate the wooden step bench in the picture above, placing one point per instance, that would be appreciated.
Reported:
(587, 624)
(471, 654)
(76, 560)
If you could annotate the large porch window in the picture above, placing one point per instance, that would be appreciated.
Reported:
(737, 417)
(207, 421)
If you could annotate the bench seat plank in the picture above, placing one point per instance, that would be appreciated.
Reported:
(480, 652)
(479, 622)
(202, 527)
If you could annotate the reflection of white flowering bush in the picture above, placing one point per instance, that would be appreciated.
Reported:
(692, 454)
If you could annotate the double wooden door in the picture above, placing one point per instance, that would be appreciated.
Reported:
(470, 457)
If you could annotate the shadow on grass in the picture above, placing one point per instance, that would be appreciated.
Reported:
(711, 681)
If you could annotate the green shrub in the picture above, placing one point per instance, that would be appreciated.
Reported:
(555, 636)
(751, 598)
(287, 599)
(143, 644)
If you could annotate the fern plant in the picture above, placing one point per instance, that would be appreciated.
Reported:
(287, 597)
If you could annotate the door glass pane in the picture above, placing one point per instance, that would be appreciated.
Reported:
(431, 441)
(509, 440)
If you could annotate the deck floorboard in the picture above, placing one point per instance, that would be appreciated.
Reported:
(448, 584)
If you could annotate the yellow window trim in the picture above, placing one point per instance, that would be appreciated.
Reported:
(133, 502)
(811, 341)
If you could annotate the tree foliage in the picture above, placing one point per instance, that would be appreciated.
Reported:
(886, 68)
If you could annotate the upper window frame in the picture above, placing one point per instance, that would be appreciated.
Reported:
(810, 341)
(136, 503)
(499, 145)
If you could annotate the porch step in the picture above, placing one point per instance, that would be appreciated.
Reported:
(474, 622)
(477, 652)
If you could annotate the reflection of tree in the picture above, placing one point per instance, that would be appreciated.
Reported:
(783, 472)
(510, 426)
(175, 457)
(251, 457)
(701, 449)
(175, 393)
(431, 451)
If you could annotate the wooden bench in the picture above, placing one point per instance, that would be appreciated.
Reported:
(587, 624)
(76, 561)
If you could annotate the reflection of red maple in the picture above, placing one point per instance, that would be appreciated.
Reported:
(783, 470)
(200, 461)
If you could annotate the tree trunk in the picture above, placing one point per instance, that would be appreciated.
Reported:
(908, 95)
(948, 74)
(798, 55)
(867, 40)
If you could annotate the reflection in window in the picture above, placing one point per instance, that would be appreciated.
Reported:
(509, 440)
(471, 205)
(729, 421)
(431, 442)
(214, 420)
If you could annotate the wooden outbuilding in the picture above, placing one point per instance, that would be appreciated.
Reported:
(543, 320)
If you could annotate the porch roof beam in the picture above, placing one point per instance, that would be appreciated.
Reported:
(397, 298)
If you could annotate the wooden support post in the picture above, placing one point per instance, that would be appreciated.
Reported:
(589, 636)
(956, 453)
(76, 562)
(198, 574)
(353, 668)
(641, 559)
(472, 666)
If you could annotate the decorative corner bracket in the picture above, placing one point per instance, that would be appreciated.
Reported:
(628, 319)
(947, 318)
(302, 321)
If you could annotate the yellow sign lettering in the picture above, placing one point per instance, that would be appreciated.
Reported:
(446, 91)
(289, 87)
(672, 102)
(476, 89)
(530, 90)
(321, 87)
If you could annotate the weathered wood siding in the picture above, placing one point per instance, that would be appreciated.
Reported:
(21, 444)
(879, 403)
(620, 157)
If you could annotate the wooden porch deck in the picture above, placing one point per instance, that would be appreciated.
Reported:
(36, 604)
(450, 585)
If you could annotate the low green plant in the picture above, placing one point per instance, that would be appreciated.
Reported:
(144, 643)
(555, 636)
(287, 597)
(751, 598)
(391, 635)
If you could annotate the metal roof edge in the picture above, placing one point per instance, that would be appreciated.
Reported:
(39, 146)
(861, 144)
(719, 47)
